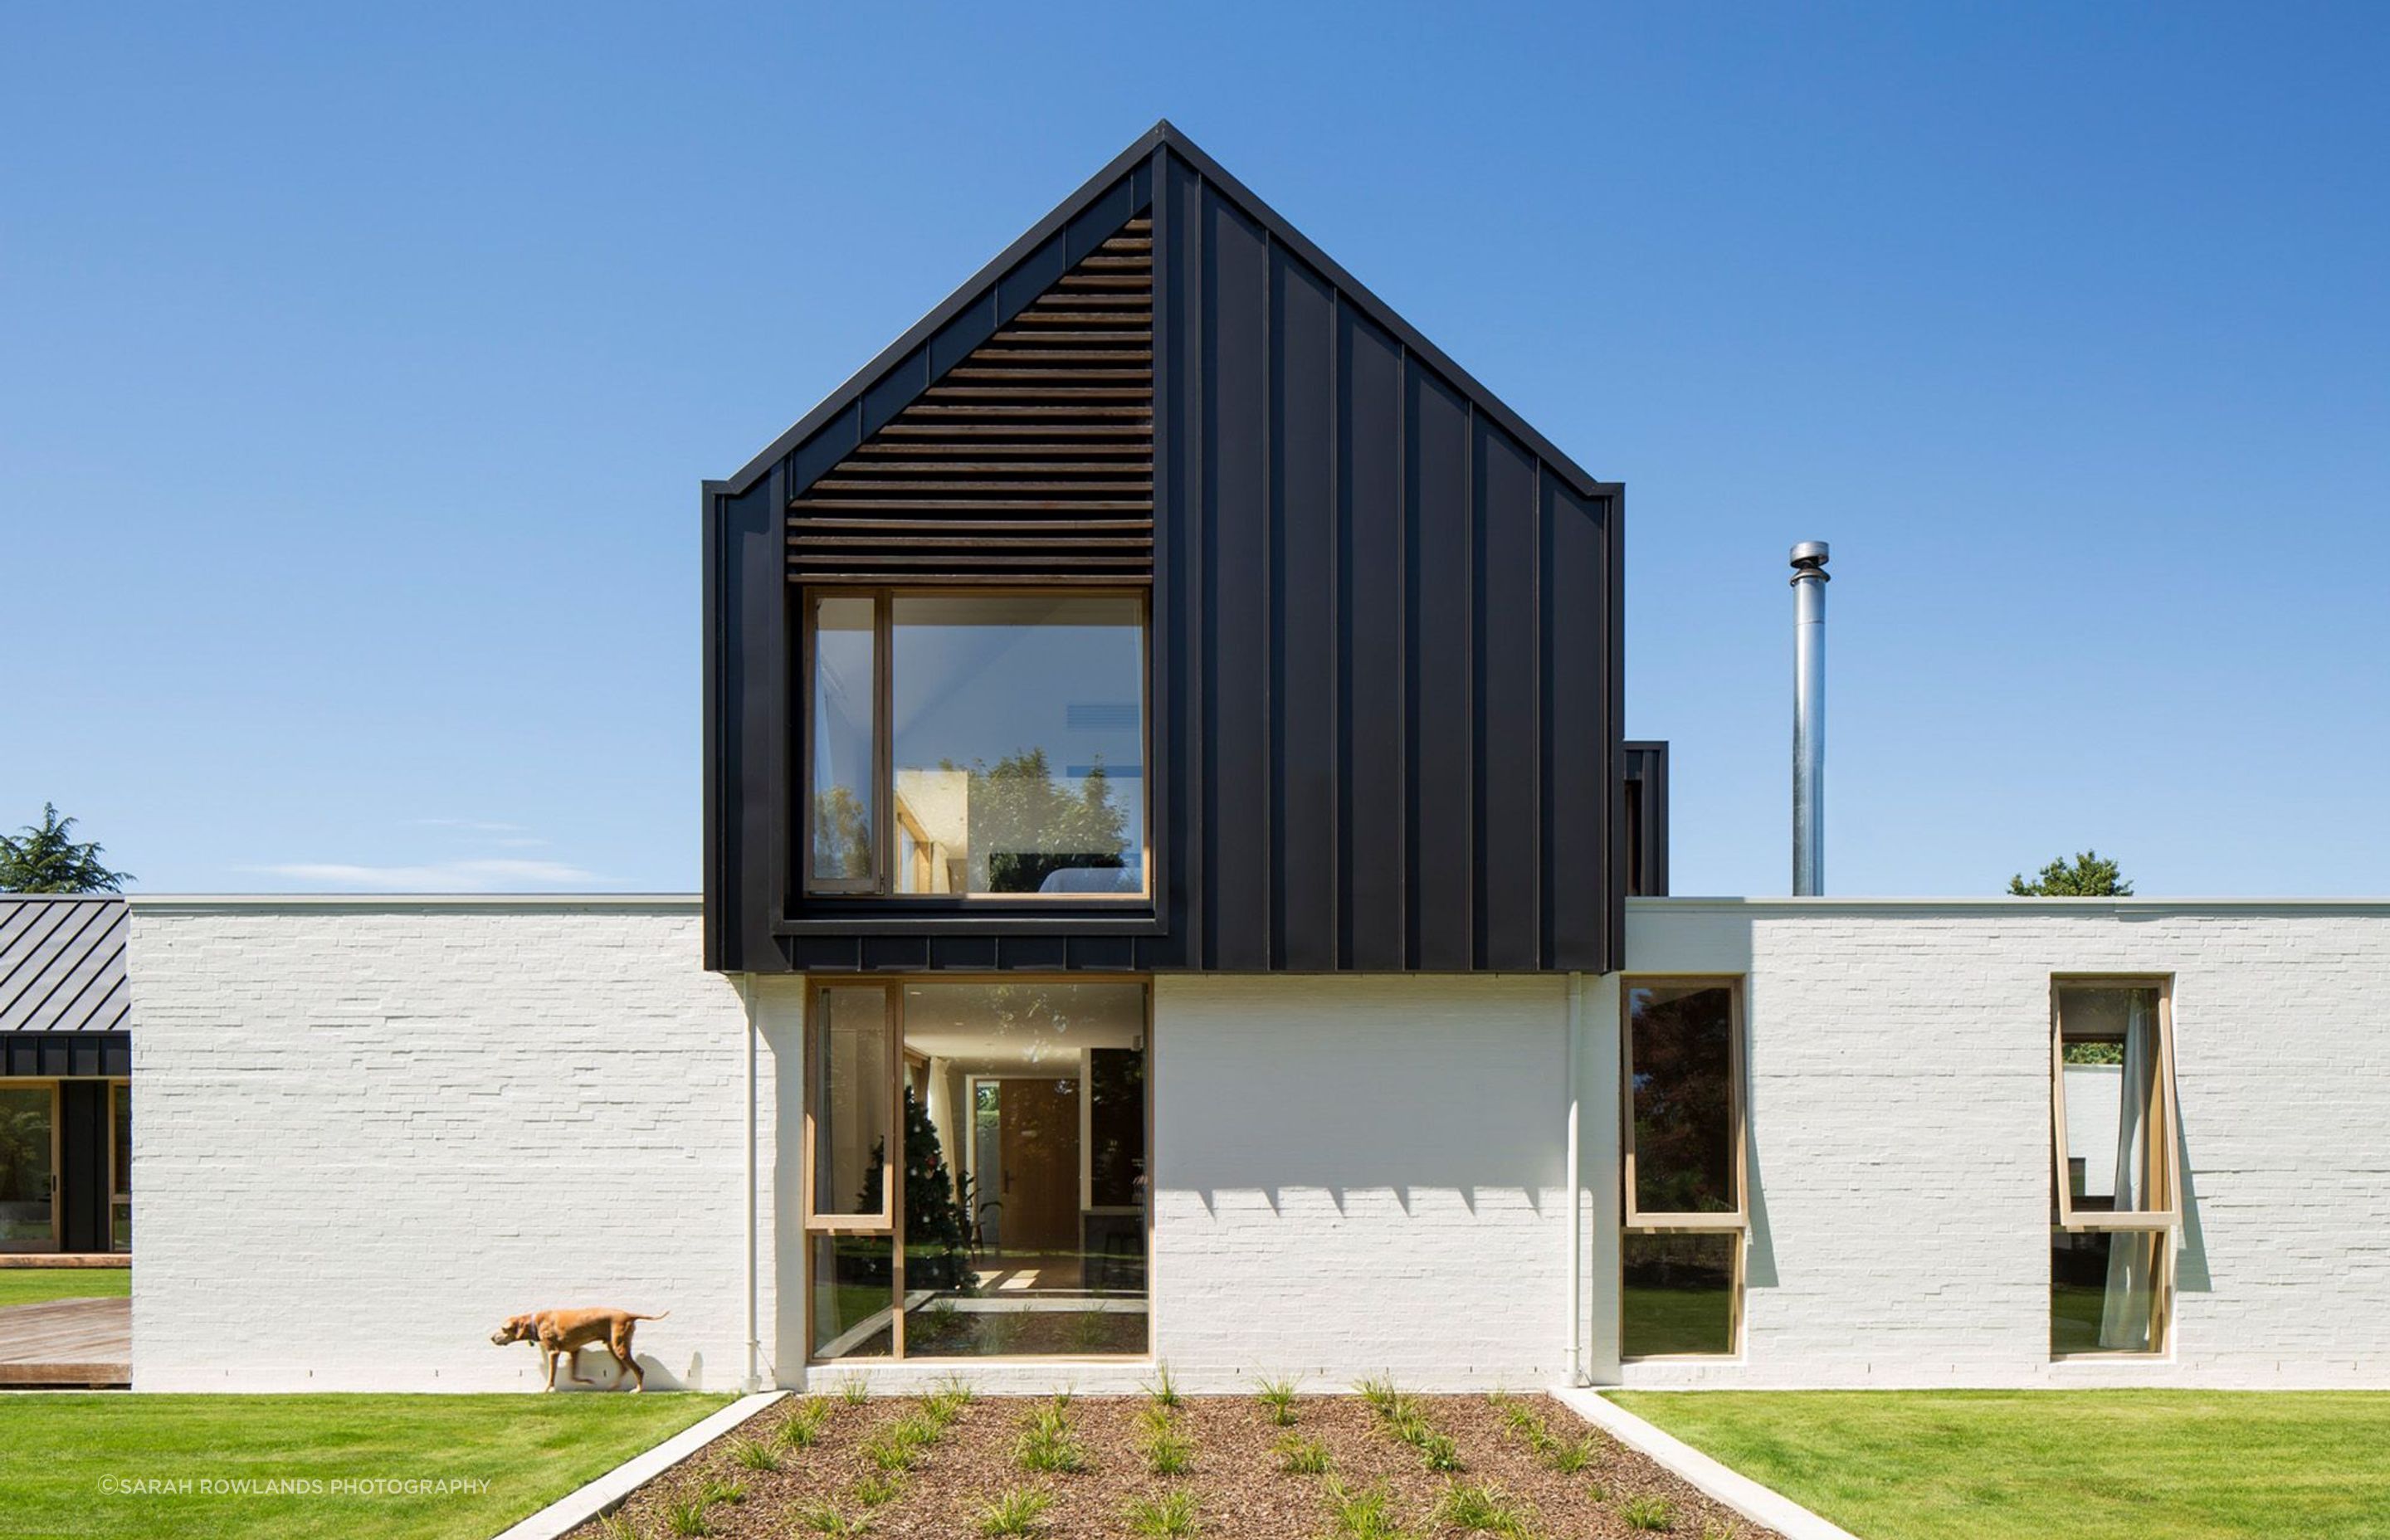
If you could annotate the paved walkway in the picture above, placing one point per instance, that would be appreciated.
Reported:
(67, 1342)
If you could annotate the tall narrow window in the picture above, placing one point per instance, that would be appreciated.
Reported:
(29, 1165)
(845, 704)
(978, 744)
(2115, 1180)
(850, 1158)
(1684, 1205)
(119, 1203)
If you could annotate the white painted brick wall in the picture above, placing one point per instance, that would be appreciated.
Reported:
(1900, 1124)
(366, 1133)
(1358, 1177)
(367, 1136)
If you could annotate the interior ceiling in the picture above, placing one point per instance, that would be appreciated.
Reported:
(1009, 1025)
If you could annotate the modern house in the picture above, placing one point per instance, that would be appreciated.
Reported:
(1176, 886)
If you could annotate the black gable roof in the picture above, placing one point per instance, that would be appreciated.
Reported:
(968, 316)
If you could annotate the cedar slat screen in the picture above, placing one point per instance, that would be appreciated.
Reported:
(1030, 461)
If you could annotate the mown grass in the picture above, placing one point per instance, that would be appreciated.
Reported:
(41, 1285)
(2088, 1464)
(59, 1453)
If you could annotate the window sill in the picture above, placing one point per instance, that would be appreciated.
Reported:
(1127, 917)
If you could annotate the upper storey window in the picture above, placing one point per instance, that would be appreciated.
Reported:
(977, 744)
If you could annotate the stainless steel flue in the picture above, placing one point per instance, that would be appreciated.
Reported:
(1809, 581)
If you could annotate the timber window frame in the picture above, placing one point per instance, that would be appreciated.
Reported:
(881, 886)
(890, 1217)
(905, 1064)
(2160, 1154)
(1637, 1217)
(1733, 1224)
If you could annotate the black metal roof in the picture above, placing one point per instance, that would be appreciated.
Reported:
(1127, 165)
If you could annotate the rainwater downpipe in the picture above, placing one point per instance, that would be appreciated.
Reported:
(754, 1381)
(1573, 1172)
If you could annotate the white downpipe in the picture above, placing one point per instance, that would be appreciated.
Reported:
(754, 1334)
(1576, 1183)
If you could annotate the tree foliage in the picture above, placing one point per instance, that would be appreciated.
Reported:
(2090, 875)
(44, 860)
(1032, 824)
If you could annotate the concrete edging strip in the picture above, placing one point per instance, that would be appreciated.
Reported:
(606, 1494)
(1759, 1504)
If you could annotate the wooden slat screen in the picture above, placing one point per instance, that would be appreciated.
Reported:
(1030, 461)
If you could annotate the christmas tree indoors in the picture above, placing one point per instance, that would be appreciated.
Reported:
(937, 1230)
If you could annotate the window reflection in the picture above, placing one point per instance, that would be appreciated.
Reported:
(1018, 732)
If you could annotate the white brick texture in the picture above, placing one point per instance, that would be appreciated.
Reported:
(1900, 1067)
(1358, 1177)
(366, 1132)
(365, 1136)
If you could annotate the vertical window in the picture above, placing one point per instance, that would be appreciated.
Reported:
(846, 780)
(1016, 1222)
(2115, 1178)
(1686, 1210)
(120, 1203)
(29, 1165)
(1002, 734)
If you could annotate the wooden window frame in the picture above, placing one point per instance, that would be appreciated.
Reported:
(2167, 1159)
(881, 886)
(2163, 1221)
(118, 1195)
(891, 1217)
(1739, 1218)
(892, 1171)
(1633, 1220)
(57, 1152)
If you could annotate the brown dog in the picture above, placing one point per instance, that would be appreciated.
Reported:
(568, 1331)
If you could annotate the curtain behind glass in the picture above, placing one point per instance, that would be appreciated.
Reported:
(2125, 1315)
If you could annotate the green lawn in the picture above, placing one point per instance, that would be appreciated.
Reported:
(61, 1453)
(2086, 1465)
(40, 1285)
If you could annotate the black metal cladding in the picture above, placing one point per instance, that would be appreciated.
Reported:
(1647, 818)
(1386, 702)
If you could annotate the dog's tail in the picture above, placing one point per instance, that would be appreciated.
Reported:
(636, 1316)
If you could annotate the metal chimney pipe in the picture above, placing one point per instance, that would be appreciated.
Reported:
(1809, 581)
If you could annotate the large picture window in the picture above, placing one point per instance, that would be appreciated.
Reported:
(1001, 1212)
(977, 744)
(2114, 1179)
(1686, 1210)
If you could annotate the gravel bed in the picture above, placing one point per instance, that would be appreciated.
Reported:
(1240, 1489)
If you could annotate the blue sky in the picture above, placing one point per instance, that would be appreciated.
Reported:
(358, 368)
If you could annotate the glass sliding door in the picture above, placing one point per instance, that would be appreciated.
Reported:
(1016, 1223)
(29, 1166)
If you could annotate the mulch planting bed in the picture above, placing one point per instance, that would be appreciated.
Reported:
(1236, 1478)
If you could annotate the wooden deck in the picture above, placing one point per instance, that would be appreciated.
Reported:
(67, 1342)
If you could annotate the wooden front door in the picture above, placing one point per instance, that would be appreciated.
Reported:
(1038, 1134)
